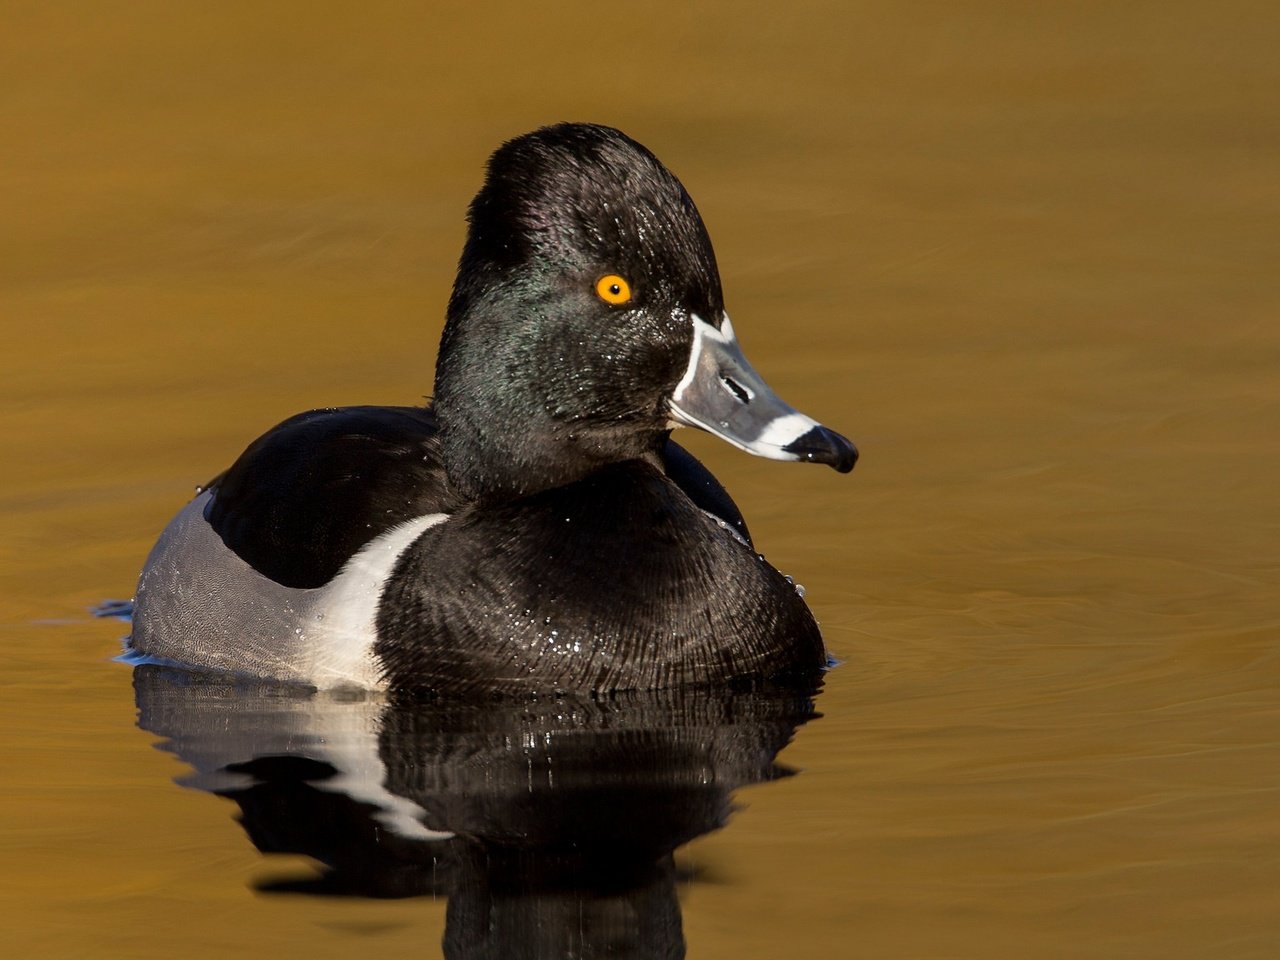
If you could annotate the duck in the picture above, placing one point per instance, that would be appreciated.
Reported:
(533, 527)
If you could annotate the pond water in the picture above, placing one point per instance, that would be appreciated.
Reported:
(1024, 255)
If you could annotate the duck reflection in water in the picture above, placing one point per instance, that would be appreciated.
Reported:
(550, 823)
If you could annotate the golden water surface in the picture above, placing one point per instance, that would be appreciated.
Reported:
(1025, 254)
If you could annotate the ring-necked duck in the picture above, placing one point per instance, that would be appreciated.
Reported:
(535, 526)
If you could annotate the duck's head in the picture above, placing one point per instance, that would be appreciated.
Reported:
(587, 320)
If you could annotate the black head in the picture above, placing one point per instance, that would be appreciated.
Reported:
(575, 315)
(565, 205)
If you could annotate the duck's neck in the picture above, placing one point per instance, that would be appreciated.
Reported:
(500, 441)
(506, 455)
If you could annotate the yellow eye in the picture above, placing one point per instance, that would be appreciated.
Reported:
(613, 289)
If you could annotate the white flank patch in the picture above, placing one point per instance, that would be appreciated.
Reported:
(200, 605)
(344, 625)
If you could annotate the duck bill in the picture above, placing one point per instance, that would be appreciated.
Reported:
(722, 394)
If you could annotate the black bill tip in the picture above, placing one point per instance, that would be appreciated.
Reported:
(821, 445)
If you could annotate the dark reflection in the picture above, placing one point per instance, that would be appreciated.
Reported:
(549, 824)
